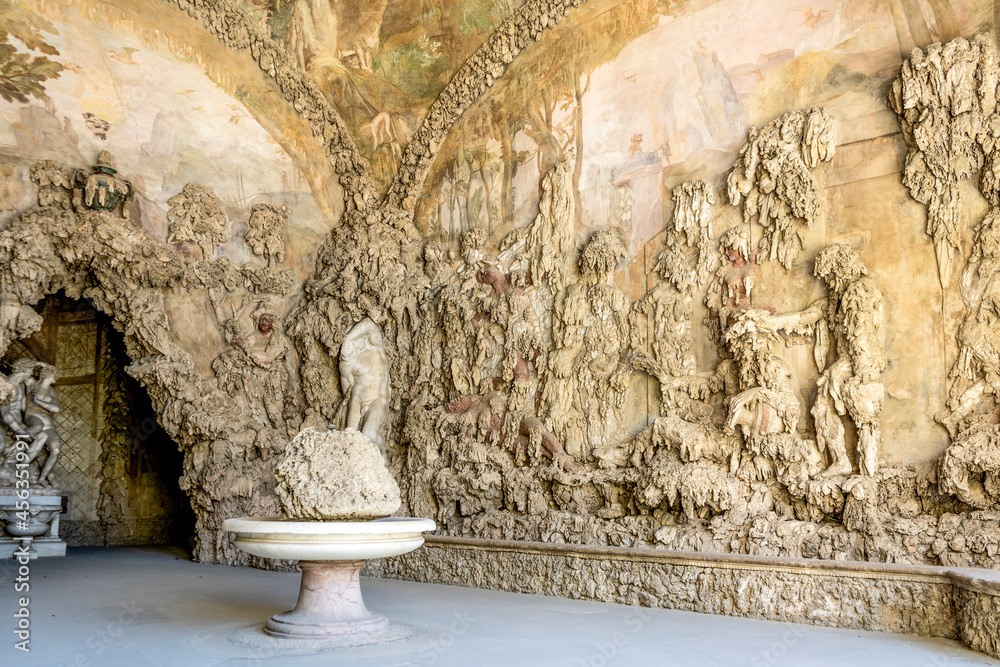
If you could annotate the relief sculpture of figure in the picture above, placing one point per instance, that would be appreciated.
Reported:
(258, 362)
(590, 364)
(854, 313)
(976, 373)
(766, 404)
(364, 379)
(852, 384)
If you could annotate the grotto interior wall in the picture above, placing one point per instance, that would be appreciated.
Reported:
(737, 304)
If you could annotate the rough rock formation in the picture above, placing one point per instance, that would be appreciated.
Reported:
(265, 232)
(772, 179)
(946, 101)
(684, 266)
(334, 476)
(510, 368)
(100, 256)
(196, 216)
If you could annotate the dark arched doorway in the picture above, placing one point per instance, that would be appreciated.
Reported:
(117, 469)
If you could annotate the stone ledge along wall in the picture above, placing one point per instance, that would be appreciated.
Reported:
(696, 276)
(919, 600)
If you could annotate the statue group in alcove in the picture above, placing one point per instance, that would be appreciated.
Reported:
(28, 402)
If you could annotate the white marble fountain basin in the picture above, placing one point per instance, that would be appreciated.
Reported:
(330, 555)
(274, 537)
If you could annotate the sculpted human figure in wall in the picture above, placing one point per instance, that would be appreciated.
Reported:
(766, 404)
(364, 379)
(976, 373)
(852, 384)
(462, 313)
(684, 265)
(670, 303)
(586, 391)
(850, 330)
(730, 290)
(265, 232)
(258, 363)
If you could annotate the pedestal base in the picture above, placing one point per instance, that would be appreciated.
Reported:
(40, 521)
(42, 546)
(329, 606)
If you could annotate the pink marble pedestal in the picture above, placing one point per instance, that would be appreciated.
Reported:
(330, 605)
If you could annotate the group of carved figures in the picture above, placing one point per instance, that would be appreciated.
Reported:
(28, 403)
(539, 346)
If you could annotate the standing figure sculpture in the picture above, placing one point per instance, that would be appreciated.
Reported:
(364, 379)
(766, 404)
(12, 409)
(43, 402)
(852, 384)
(853, 315)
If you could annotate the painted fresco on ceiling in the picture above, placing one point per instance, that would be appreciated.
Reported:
(381, 62)
(73, 86)
(647, 94)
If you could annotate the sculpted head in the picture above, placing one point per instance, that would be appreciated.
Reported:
(47, 374)
(603, 252)
(839, 266)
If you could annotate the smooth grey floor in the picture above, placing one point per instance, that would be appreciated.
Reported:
(152, 606)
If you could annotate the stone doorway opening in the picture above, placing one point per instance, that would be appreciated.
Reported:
(118, 470)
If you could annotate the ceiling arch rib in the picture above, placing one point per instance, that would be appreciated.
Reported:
(473, 79)
(238, 31)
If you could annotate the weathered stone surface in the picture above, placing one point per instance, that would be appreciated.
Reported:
(334, 476)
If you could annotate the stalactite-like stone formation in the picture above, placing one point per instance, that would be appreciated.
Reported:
(772, 179)
(946, 101)
(95, 253)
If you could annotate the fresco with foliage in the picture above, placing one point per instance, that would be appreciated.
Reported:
(661, 92)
